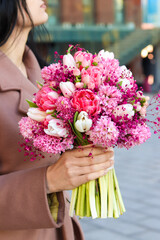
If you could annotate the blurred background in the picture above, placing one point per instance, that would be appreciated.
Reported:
(131, 29)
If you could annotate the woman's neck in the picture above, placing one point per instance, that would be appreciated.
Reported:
(15, 46)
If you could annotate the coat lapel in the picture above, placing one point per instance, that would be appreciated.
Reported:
(11, 78)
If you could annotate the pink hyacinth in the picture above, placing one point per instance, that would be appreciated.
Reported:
(104, 133)
(54, 145)
(135, 136)
(30, 128)
(64, 109)
(110, 97)
(86, 100)
(111, 71)
(49, 72)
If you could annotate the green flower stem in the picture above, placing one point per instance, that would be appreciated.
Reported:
(73, 202)
(88, 210)
(82, 201)
(98, 203)
(116, 198)
(118, 193)
(115, 208)
(78, 201)
(110, 194)
(103, 194)
(99, 198)
(92, 199)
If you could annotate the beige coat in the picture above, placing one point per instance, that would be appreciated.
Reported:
(24, 211)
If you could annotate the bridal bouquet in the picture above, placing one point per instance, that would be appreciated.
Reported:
(88, 98)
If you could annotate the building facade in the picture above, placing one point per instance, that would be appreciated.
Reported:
(114, 25)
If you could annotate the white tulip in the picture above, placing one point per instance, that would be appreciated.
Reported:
(124, 110)
(56, 128)
(68, 60)
(83, 123)
(36, 114)
(67, 88)
(53, 95)
(106, 55)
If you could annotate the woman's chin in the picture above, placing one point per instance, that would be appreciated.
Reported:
(43, 20)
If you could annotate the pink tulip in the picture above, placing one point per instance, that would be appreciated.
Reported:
(83, 59)
(76, 72)
(79, 84)
(86, 100)
(46, 98)
(92, 77)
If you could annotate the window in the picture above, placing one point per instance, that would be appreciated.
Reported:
(88, 11)
(53, 12)
(119, 11)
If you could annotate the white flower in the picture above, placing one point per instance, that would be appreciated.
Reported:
(125, 83)
(106, 55)
(83, 123)
(53, 95)
(36, 114)
(67, 88)
(126, 73)
(56, 128)
(124, 110)
(68, 60)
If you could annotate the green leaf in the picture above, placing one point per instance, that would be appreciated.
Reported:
(75, 117)
(54, 89)
(142, 101)
(31, 104)
(86, 67)
(95, 64)
(39, 83)
(78, 79)
(85, 85)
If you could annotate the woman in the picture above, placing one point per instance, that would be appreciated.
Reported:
(24, 185)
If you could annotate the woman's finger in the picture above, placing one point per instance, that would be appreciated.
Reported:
(91, 151)
(92, 160)
(89, 177)
(93, 168)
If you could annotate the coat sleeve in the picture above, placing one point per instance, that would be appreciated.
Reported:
(23, 201)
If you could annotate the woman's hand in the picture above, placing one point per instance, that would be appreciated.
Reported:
(79, 166)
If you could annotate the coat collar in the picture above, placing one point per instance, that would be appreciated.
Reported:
(11, 77)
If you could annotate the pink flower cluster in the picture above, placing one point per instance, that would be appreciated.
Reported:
(86, 98)
(104, 133)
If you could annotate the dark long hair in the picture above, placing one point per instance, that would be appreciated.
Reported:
(8, 19)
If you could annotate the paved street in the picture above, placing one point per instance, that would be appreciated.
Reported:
(138, 172)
